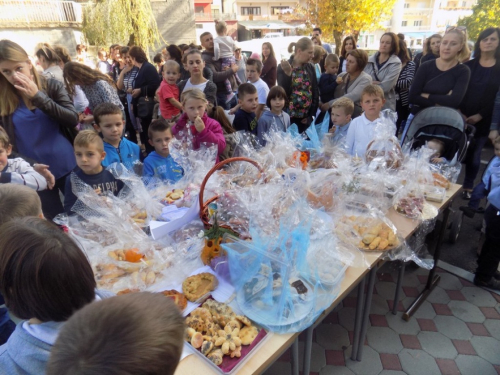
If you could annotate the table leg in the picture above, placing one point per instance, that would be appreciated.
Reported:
(401, 275)
(308, 350)
(295, 357)
(357, 319)
(433, 279)
(366, 312)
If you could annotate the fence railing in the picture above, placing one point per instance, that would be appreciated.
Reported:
(19, 13)
(213, 17)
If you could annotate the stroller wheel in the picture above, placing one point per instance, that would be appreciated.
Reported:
(455, 226)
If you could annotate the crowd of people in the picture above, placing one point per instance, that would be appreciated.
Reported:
(61, 119)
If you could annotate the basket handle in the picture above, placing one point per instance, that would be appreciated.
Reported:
(215, 168)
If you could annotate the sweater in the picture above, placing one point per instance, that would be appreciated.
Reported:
(352, 90)
(266, 120)
(327, 85)
(245, 121)
(127, 153)
(269, 72)
(387, 75)
(162, 167)
(211, 134)
(438, 84)
(18, 171)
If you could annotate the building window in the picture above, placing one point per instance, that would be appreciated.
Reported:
(245, 11)
(404, 23)
(215, 13)
(464, 4)
(417, 23)
(199, 9)
(407, 5)
(275, 11)
(199, 26)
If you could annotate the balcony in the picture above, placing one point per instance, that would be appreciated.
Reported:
(19, 13)
(418, 11)
(212, 17)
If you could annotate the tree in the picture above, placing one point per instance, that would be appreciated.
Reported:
(339, 17)
(128, 22)
(486, 13)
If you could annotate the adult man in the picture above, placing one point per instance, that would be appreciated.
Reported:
(326, 46)
(226, 99)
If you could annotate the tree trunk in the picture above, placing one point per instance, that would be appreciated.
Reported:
(337, 35)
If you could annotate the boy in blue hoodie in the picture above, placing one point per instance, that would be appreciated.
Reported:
(159, 163)
(109, 122)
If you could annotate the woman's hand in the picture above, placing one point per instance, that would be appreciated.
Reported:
(25, 85)
(199, 124)
(425, 95)
(136, 93)
(325, 107)
(287, 68)
(474, 119)
(493, 135)
(44, 171)
(127, 69)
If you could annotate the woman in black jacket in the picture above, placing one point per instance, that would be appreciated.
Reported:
(298, 77)
(143, 92)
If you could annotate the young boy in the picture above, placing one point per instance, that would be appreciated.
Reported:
(328, 81)
(137, 333)
(109, 123)
(224, 47)
(17, 171)
(89, 152)
(248, 101)
(362, 128)
(342, 110)
(159, 163)
(254, 68)
(170, 107)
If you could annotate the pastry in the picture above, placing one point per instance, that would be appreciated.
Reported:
(216, 356)
(410, 206)
(221, 313)
(199, 320)
(179, 298)
(386, 153)
(440, 180)
(299, 286)
(195, 287)
(248, 334)
(375, 234)
(228, 339)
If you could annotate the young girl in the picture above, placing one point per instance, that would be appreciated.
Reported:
(196, 120)
(44, 278)
(230, 135)
(276, 101)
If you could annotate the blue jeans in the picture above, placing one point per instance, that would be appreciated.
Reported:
(224, 103)
(478, 193)
(474, 163)
(407, 126)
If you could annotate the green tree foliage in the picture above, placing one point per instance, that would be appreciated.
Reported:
(128, 22)
(486, 13)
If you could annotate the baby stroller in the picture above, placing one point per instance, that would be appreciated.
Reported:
(447, 125)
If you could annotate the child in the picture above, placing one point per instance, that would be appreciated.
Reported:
(342, 110)
(168, 93)
(109, 123)
(45, 277)
(248, 101)
(195, 119)
(362, 128)
(159, 163)
(103, 65)
(328, 81)
(230, 135)
(438, 146)
(318, 53)
(276, 100)
(17, 171)
(224, 47)
(137, 333)
(89, 152)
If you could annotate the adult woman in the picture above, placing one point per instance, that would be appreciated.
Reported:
(118, 63)
(384, 67)
(50, 62)
(353, 80)
(431, 48)
(403, 85)
(442, 81)
(298, 77)
(145, 85)
(348, 45)
(125, 83)
(33, 111)
(195, 65)
(270, 65)
(477, 105)
(240, 60)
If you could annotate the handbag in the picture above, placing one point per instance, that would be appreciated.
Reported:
(145, 107)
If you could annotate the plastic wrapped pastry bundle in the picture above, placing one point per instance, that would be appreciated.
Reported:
(410, 201)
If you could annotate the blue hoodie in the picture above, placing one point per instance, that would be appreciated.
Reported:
(164, 168)
(266, 120)
(127, 153)
(493, 182)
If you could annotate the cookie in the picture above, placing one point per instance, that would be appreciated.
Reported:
(179, 298)
(248, 334)
(195, 287)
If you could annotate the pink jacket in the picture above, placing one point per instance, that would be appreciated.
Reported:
(211, 134)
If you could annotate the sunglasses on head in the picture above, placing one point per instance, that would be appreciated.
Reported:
(459, 28)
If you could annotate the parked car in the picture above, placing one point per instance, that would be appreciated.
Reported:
(280, 46)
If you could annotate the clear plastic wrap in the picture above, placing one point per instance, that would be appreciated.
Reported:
(409, 201)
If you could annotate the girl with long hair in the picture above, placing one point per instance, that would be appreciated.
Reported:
(270, 65)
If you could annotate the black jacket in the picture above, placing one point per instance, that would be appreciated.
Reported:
(219, 76)
(147, 80)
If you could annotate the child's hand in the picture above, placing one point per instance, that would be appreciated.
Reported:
(339, 80)
(44, 171)
(98, 191)
(437, 160)
(332, 130)
(199, 124)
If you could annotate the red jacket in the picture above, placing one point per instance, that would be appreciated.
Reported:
(211, 134)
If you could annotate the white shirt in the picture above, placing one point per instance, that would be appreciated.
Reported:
(189, 85)
(360, 133)
(262, 90)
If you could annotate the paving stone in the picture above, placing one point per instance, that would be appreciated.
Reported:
(410, 342)
(450, 282)
(421, 271)
(466, 311)
(407, 302)
(332, 336)
(474, 365)
(378, 320)
(392, 372)
(447, 366)
(370, 364)
(487, 348)
(335, 370)
(379, 305)
(495, 366)
(464, 347)
(350, 301)
(401, 307)
(386, 276)
(410, 291)
(478, 329)
(427, 325)
(452, 327)
(437, 345)
(479, 297)
(438, 295)
(493, 327)
(346, 318)
(335, 358)
(318, 359)
(490, 312)
(281, 368)
(332, 318)
(411, 280)
(390, 361)
(455, 295)
(384, 340)
(442, 309)
(386, 290)
(417, 362)
(401, 326)
(425, 311)
(422, 279)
